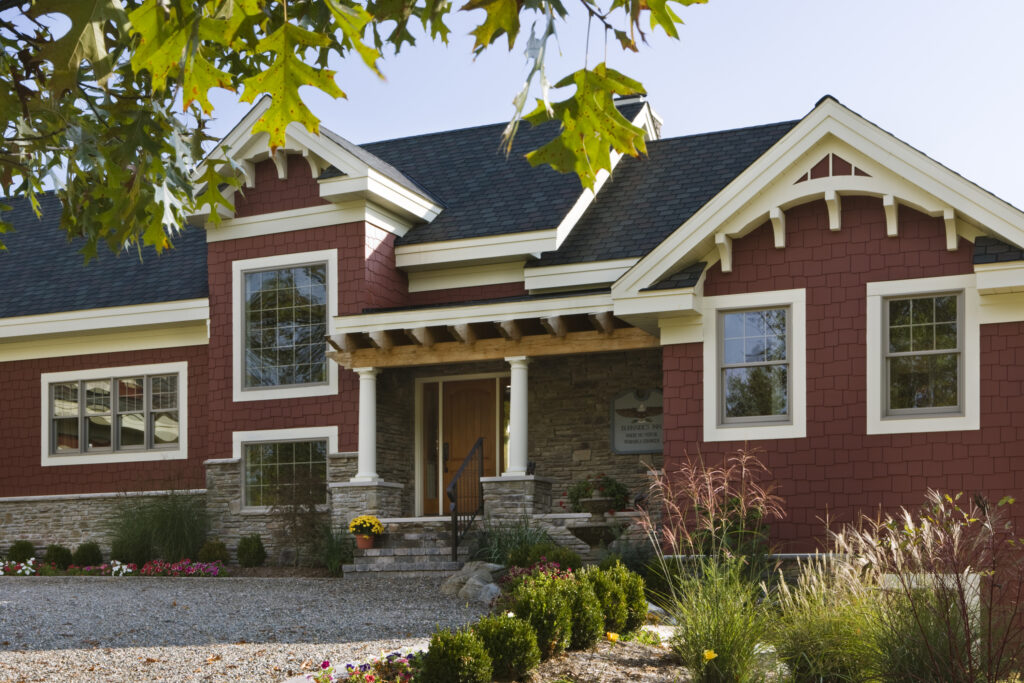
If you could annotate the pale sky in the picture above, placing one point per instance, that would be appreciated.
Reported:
(945, 77)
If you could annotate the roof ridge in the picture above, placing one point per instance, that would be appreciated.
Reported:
(737, 129)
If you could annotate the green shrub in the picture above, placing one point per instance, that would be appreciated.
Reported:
(214, 551)
(499, 540)
(132, 535)
(529, 555)
(633, 590)
(57, 555)
(251, 552)
(334, 550)
(823, 627)
(543, 601)
(512, 644)
(87, 555)
(458, 657)
(21, 551)
(587, 617)
(612, 599)
(718, 608)
(171, 527)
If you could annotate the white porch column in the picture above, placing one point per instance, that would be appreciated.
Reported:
(518, 417)
(366, 468)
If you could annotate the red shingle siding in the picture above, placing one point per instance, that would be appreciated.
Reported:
(838, 469)
(298, 191)
(460, 294)
(22, 474)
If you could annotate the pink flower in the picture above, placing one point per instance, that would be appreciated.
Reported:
(325, 664)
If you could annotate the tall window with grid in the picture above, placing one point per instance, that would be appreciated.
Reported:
(923, 354)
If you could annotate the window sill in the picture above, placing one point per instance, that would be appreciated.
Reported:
(754, 432)
(110, 458)
(286, 392)
(923, 424)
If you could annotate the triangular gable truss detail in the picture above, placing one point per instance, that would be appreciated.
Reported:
(831, 165)
(890, 169)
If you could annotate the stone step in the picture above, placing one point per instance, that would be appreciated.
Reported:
(410, 552)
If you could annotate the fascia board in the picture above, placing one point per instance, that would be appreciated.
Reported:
(675, 301)
(577, 274)
(458, 315)
(508, 247)
(829, 118)
(466, 276)
(1000, 278)
(93, 319)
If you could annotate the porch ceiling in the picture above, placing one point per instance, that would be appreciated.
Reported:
(548, 335)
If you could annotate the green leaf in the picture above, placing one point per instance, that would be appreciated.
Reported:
(200, 76)
(84, 41)
(211, 181)
(352, 21)
(591, 125)
(502, 18)
(282, 80)
(163, 36)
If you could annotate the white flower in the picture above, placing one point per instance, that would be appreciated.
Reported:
(510, 615)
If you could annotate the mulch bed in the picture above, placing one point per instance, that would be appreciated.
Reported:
(612, 662)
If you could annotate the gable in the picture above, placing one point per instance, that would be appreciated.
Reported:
(801, 167)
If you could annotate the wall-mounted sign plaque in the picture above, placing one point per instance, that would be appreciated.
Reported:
(636, 422)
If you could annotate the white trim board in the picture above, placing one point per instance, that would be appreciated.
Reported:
(238, 270)
(97, 496)
(451, 253)
(88, 343)
(970, 419)
(306, 219)
(456, 315)
(465, 276)
(48, 459)
(796, 427)
(114, 317)
(589, 274)
(964, 200)
(239, 439)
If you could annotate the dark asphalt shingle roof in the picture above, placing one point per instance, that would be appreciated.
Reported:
(648, 198)
(991, 250)
(484, 193)
(687, 277)
(44, 273)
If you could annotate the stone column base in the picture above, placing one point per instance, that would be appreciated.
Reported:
(349, 499)
(515, 497)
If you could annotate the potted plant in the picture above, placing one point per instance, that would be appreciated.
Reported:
(366, 528)
(598, 495)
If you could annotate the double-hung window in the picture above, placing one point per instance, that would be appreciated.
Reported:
(755, 366)
(283, 307)
(923, 354)
(755, 377)
(923, 359)
(114, 414)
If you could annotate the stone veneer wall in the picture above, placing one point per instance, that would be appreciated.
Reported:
(67, 520)
(570, 417)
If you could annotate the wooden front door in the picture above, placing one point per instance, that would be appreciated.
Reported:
(469, 412)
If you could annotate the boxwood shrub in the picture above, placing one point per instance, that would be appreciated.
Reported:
(455, 657)
(57, 555)
(87, 555)
(21, 551)
(512, 644)
(544, 601)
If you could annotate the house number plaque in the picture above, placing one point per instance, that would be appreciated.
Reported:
(636, 422)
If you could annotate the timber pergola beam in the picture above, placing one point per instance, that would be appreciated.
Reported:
(625, 338)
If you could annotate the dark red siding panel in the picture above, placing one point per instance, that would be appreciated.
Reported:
(839, 470)
(461, 294)
(21, 473)
(298, 191)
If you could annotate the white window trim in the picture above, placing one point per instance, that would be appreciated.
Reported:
(796, 428)
(238, 270)
(970, 418)
(240, 439)
(47, 378)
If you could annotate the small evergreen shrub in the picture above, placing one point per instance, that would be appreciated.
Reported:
(57, 555)
(543, 601)
(251, 552)
(87, 555)
(611, 597)
(587, 617)
(512, 644)
(529, 555)
(21, 551)
(634, 591)
(455, 657)
(214, 551)
(333, 550)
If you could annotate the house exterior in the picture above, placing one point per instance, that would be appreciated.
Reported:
(817, 289)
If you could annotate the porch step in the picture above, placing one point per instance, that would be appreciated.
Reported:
(422, 559)
(436, 567)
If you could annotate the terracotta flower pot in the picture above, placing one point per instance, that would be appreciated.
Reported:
(364, 541)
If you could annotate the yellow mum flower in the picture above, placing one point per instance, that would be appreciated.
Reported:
(614, 637)
(709, 655)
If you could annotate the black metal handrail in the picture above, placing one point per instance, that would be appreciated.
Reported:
(467, 487)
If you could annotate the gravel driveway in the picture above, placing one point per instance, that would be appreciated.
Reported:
(239, 629)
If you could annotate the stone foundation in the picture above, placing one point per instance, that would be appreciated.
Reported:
(513, 498)
(67, 520)
(349, 499)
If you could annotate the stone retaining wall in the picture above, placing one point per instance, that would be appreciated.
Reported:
(67, 520)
